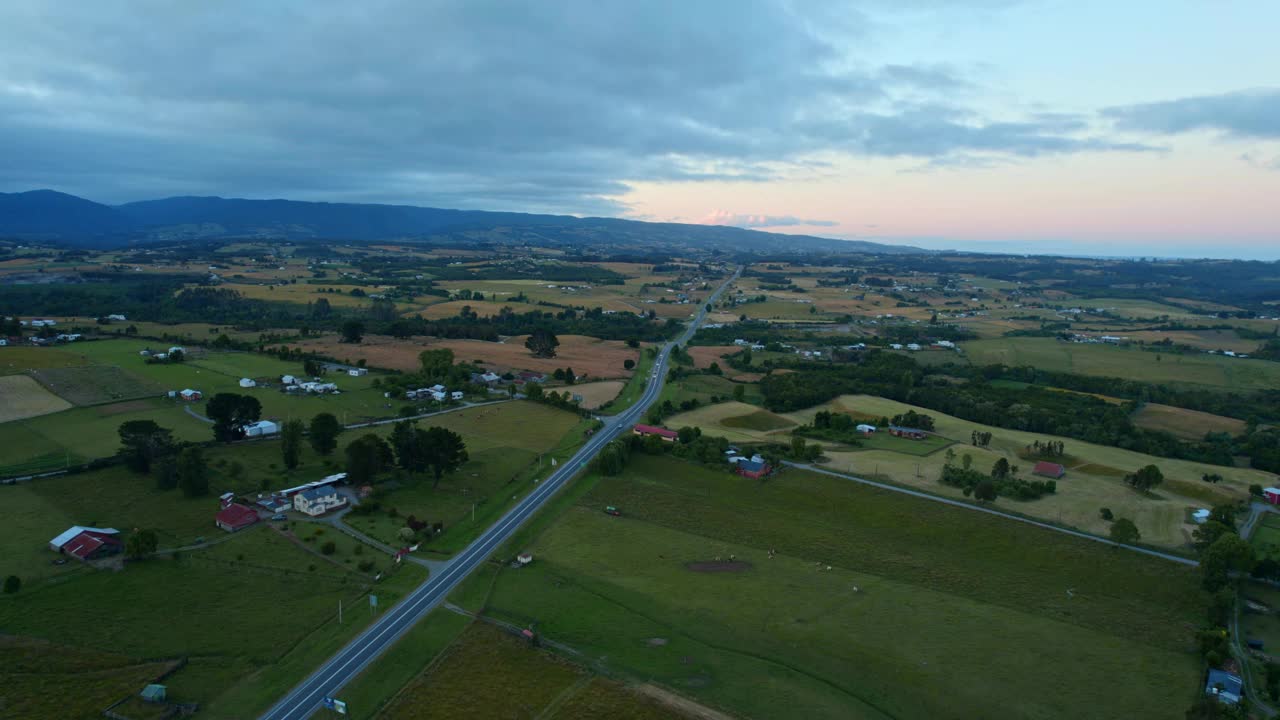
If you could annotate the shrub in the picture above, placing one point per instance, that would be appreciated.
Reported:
(365, 565)
(328, 548)
(12, 584)
(1106, 514)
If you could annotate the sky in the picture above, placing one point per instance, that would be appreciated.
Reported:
(1078, 127)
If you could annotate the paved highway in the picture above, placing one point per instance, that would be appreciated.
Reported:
(307, 697)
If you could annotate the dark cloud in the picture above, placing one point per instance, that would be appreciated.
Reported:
(542, 106)
(1249, 114)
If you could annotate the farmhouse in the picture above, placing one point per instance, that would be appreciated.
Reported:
(260, 428)
(322, 482)
(487, 378)
(753, 469)
(455, 395)
(235, 517)
(177, 349)
(1049, 470)
(288, 380)
(87, 543)
(647, 430)
(318, 500)
(530, 376)
(1272, 495)
(905, 432)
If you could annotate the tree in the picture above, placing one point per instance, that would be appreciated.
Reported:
(324, 432)
(177, 356)
(165, 471)
(436, 363)
(1208, 533)
(291, 443)
(445, 452)
(141, 544)
(230, 413)
(142, 442)
(633, 343)
(1145, 479)
(797, 447)
(1124, 531)
(1229, 553)
(984, 491)
(628, 364)
(367, 456)
(570, 377)
(352, 331)
(321, 309)
(1106, 514)
(12, 584)
(966, 461)
(1000, 470)
(542, 343)
(409, 442)
(193, 473)
(739, 392)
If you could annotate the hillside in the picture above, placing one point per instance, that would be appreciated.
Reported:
(54, 216)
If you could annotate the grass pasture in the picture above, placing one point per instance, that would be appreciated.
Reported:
(20, 359)
(596, 394)
(22, 397)
(761, 420)
(97, 384)
(1186, 424)
(35, 676)
(880, 634)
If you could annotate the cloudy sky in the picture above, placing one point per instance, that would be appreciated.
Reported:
(1136, 127)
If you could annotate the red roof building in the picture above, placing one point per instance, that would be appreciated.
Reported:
(235, 517)
(1049, 470)
(646, 430)
(90, 546)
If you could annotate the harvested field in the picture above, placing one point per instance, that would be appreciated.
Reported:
(597, 394)
(22, 397)
(719, 566)
(451, 308)
(595, 359)
(96, 384)
(704, 355)
(758, 420)
(1183, 423)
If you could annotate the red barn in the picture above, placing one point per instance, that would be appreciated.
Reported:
(235, 517)
(1272, 495)
(91, 546)
(1049, 470)
(751, 469)
(647, 430)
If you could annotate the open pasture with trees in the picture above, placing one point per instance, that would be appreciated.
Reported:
(1186, 424)
(35, 676)
(97, 384)
(1037, 620)
(1198, 369)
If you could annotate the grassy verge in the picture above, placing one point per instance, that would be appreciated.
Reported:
(635, 386)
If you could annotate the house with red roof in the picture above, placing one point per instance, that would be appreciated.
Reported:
(235, 517)
(1049, 470)
(87, 543)
(647, 430)
(754, 469)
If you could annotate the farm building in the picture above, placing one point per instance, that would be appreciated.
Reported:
(487, 378)
(260, 428)
(866, 429)
(358, 372)
(1200, 516)
(235, 517)
(288, 380)
(1049, 470)
(189, 395)
(530, 376)
(1223, 685)
(177, 349)
(905, 432)
(647, 430)
(87, 543)
(455, 395)
(327, 481)
(752, 469)
(318, 500)
(248, 382)
(1272, 495)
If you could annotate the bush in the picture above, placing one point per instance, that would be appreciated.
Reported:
(1106, 514)
(359, 549)
(311, 568)
(12, 584)
(328, 548)
(365, 565)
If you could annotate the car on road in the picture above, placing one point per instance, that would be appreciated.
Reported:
(279, 516)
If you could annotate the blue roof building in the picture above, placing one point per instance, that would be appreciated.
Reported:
(1226, 687)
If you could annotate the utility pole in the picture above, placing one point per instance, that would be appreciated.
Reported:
(339, 611)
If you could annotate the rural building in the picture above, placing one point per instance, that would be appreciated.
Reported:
(4, 342)
(752, 469)
(260, 428)
(87, 543)
(322, 482)
(1272, 495)
(1223, 685)
(909, 433)
(154, 693)
(189, 395)
(866, 429)
(1049, 470)
(1200, 516)
(318, 500)
(357, 372)
(530, 376)
(647, 430)
(455, 395)
(288, 380)
(235, 517)
(486, 378)
(248, 382)
(117, 317)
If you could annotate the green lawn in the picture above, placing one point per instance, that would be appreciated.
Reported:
(1200, 369)
(882, 440)
(879, 635)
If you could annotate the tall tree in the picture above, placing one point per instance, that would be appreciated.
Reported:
(291, 443)
(1229, 553)
(984, 491)
(165, 471)
(1145, 478)
(1000, 470)
(436, 363)
(445, 452)
(1124, 531)
(324, 432)
(410, 445)
(142, 442)
(352, 331)
(542, 343)
(367, 456)
(193, 474)
(141, 544)
(230, 413)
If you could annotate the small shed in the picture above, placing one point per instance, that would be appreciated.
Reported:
(248, 382)
(524, 558)
(1049, 470)
(906, 432)
(154, 693)
(235, 517)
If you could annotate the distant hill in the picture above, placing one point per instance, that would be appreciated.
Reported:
(67, 219)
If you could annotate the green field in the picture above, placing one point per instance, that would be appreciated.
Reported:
(96, 384)
(879, 635)
(707, 389)
(35, 676)
(1199, 369)
(882, 440)
(1266, 537)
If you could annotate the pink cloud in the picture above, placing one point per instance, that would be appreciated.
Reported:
(724, 217)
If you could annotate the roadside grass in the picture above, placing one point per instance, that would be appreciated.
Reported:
(22, 397)
(487, 673)
(603, 698)
(368, 692)
(786, 638)
(636, 384)
(1185, 424)
(36, 675)
(1213, 371)
(1263, 626)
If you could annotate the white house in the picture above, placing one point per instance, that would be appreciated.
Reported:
(116, 316)
(455, 395)
(895, 346)
(864, 428)
(913, 347)
(438, 395)
(318, 500)
(248, 382)
(189, 394)
(4, 342)
(260, 428)
(288, 380)
(437, 388)
(357, 372)
(177, 348)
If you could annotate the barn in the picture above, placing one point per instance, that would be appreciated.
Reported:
(754, 469)
(647, 430)
(906, 432)
(1049, 470)
(235, 517)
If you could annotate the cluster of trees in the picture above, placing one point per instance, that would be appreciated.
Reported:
(835, 427)
(913, 419)
(507, 322)
(1003, 480)
(1046, 448)
(230, 413)
(542, 343)
(1146, 478)
(564, 401)
(980, 438)
(147, 448)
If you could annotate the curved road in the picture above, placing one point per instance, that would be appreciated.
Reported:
(307, 697)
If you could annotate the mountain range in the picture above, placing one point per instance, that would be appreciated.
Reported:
(51, 216)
